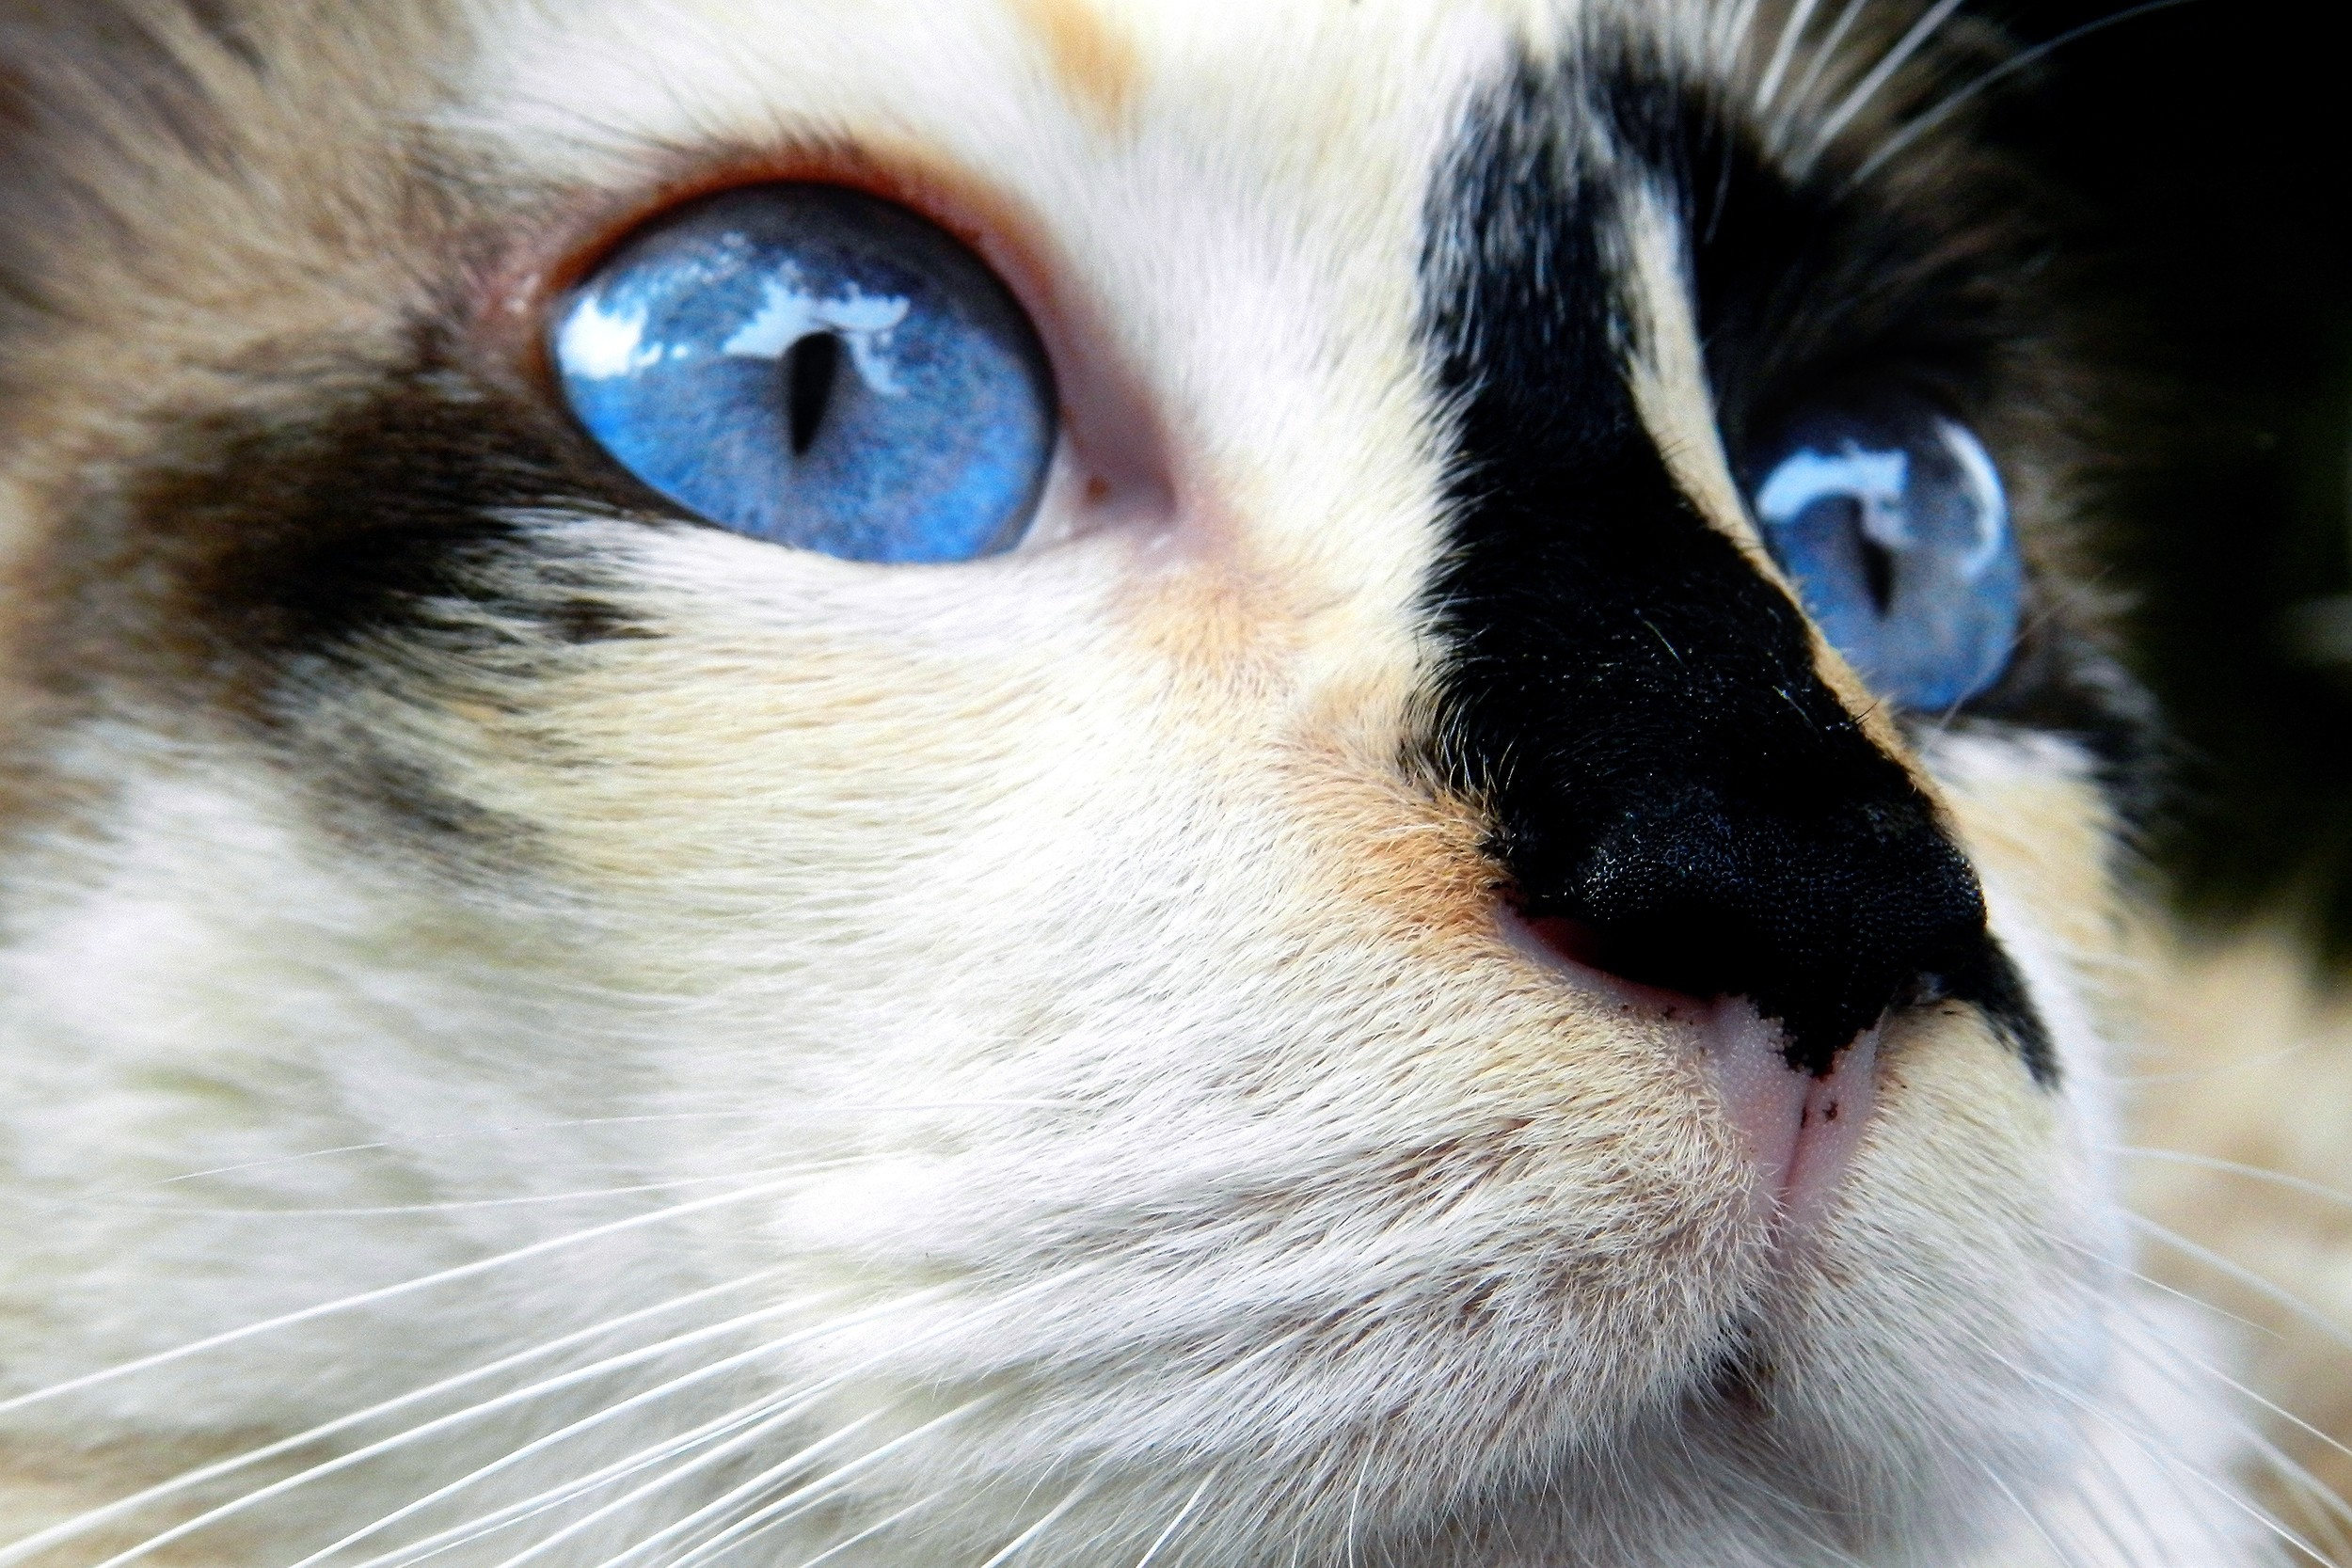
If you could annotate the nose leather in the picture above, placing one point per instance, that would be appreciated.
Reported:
(1825, 913)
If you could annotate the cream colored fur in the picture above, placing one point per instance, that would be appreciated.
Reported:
(1024, 1005)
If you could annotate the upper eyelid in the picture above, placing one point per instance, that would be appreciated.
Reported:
(550, 259)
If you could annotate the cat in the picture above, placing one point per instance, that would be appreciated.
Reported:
(1088, 781)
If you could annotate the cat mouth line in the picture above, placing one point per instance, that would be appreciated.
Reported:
(1798, 1129)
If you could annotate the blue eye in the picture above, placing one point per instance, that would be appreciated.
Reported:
(816, 367)
(1894, 529)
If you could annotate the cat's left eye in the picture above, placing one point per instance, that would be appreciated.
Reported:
(1891, 519)
(817, 367)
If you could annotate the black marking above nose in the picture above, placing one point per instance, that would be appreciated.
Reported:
(1636, 706)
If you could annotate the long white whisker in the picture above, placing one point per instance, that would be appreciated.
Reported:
(1791, 30)
(1356, 1498)
(525, 1200)
(387, 1293)
(1921, 124)
(734, 1446)
(2154, 1352)
(474, 1413)
(800, 1498)
(873, 1529)
(636, 1401)
(1736, 27)
(2032, 1518)
(482, 1526)
(2186, 1298)
(509, 1130)
(2174, 1463)
(802, 1395)
(2234, 1386)
(82, 1524)
(1869, 88)
(1012, 1547)
(720, 1506)
(2244, 1277)
(2331, 1513)
(1169, 1531)
(2129, 1498)
(2124, 1489)
(2260, 1517)
(2122, 1494)
(2207, 1162)
(2253, 1061)
(1823, 53)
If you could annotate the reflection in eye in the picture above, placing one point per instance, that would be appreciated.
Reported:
(1894, 525)
(819, 368)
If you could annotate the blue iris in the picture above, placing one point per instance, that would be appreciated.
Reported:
(1894, 529)
(816, 367)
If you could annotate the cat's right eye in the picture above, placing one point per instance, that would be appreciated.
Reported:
(1891, 520)
(817, 367)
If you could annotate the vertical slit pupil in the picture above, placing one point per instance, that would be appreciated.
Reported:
(1878, 574)
(810, 368)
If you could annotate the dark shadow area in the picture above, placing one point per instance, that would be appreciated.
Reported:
(2209, 146)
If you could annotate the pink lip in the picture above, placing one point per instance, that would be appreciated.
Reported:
(1800, 1131)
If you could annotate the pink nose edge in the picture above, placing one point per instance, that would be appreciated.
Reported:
(1801, 1130)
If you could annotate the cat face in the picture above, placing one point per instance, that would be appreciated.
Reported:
(1450, 901)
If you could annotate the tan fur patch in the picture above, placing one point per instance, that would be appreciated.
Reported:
(2238, 1129)
(1098, 67)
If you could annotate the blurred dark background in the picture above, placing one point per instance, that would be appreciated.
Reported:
(2208, 146)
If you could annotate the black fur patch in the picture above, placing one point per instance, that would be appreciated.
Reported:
(1634, 705)
(1947, 292)
(356, 529)
(362, 515)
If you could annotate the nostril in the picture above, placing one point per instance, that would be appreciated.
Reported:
(1585, 950)
(1573, 939)
(1823, 913)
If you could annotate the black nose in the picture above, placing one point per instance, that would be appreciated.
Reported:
(1825, 913)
